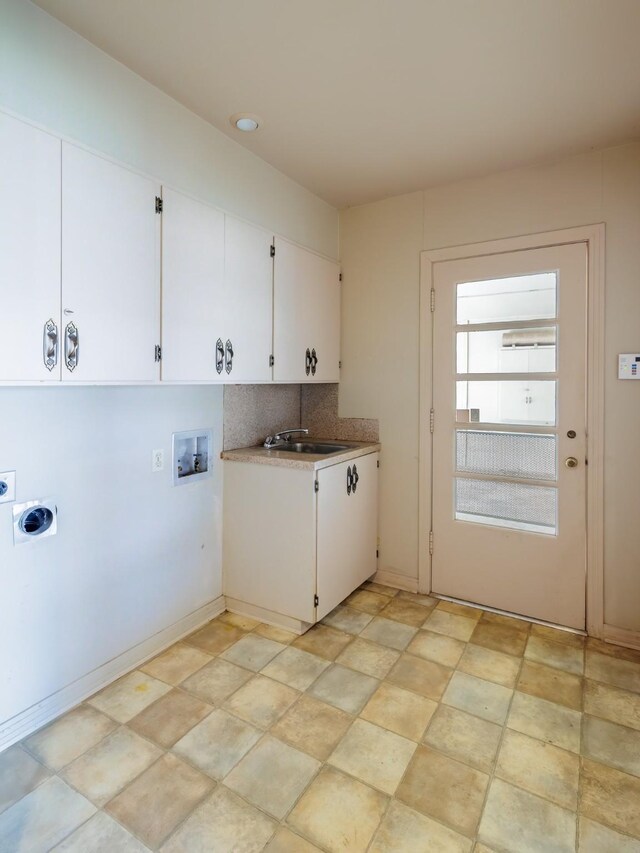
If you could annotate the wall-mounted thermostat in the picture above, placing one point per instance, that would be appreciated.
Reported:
(191, 457)
(629, 365)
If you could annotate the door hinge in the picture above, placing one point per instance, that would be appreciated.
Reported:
(432, 419)
(316, 486)
(377, 553)
(158, 204)
(378, 464)
(272, 252)
(272, 361)
(316, 601)
(433, 300)
(431, 541)
(158, 353)
(340, 277)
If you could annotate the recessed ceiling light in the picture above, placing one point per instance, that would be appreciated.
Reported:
(245, 122)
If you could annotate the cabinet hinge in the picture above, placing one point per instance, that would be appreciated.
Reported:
(340, 277)
(158, 204)
(431, 541)
(432, 420)
(433, 300)
(272, 361)
(377, 553)
(378, 464)
(158, 353)
(339, 365)
(272, 252)
(316, 601)
(316, 486)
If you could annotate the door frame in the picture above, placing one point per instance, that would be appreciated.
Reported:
(594, 237)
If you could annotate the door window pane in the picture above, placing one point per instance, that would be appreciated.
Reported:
(510, 454)
(507, 351)
(514, 505)
(523, 297)
(506, 402)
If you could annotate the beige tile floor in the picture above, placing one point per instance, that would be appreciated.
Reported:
(399, 724)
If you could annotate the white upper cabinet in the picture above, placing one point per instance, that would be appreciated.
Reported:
(192, 290)
(306, 316)
(29, 253)
(110, 271)
(248, 290)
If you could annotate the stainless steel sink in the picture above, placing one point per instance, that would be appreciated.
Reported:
(311, 447)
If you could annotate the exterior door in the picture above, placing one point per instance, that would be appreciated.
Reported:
(509, 436)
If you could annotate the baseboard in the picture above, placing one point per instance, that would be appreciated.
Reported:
(621, 637)
(387, 578)
(296, 626)
(33, 718)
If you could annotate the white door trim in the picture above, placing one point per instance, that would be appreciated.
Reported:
(594, 237)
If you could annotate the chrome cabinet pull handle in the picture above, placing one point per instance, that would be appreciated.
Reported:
(307, 362)
(219, 356)
(314, 362)
(355, 479)
(71, 346)
(349, 480)
(228, 357)
(50, 345)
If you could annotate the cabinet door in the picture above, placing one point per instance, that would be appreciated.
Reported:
(192, 289)
(248, 323)
(347, 530)
(306, 316)
(29, 252)
(110, 271)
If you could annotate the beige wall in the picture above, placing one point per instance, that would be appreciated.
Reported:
(380, 245)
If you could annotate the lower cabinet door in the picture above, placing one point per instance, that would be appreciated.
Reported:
(347, 529)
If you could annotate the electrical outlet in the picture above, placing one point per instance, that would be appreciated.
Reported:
(157, 460)
(7, 487)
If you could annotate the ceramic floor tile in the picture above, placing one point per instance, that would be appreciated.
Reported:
(421, 676)
(558, 655)
(596, 838)
(161, 798)
(546, 721)
(436, 647)
(404, 830)
(312, 726)
(296, 668)
(44, 817)
(405, 611)
(338, 813)
(170, 718)
(129, 695)
(217, 743)
(285, 841)
(323, 641)
(224, 824)
(442, 622)
(395, 635)
(490, 665)
(272, 632)
(464, 737)
(514, 820)
(252, 652)
(69, 736)
(372, 586)
(399, 710)
(460, 609)
(610, 797)
(177, 663)
(106, 768)
(611, 650)
(478, 696)
(539, 768)
(614, 671)
(552, 684)
(423, 600)
(347, 619)
(370, 658)
(373, 755)
(101, 834)
(272, 776)
(612, 703)
(215, 637)
(344, 688)
(500, 638)
(511, 622)
(369, 602)
(558, 636)
(216, 681)
(444, 789)
(611, 744)
(245, 623)
(261, 701)
(19, 774)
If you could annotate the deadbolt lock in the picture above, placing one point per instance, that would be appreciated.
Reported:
(571, 462)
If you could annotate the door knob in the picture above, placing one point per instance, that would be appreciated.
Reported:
(571, 462)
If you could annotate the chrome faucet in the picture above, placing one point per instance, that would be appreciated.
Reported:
(282, 437)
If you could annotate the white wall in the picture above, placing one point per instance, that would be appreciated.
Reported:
(133, 554)
(380, 245)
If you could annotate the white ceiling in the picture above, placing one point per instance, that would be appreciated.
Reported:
(363, 99)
